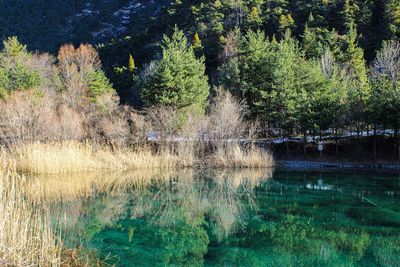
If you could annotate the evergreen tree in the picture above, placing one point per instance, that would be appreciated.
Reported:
(12, 47)
(15, 71)
(229, 71)
(392, 15)
(359, 89)
(254, 18)
(268, 77)
(178, 79)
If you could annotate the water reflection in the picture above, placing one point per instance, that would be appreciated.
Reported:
(230, 218)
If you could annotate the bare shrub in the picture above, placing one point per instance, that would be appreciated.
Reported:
(114, 128)
(138, 125)
(328, 64)
(148, 70)
(26, 116)
(388, 60)
(164, 121)
(71, 124)
(226, 117)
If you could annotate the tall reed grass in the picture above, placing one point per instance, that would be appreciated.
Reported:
(26, 236)
(234, 155)
(69, 157)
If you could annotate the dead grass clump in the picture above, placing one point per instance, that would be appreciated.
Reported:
(70, 156)
(233, 155)
(26, 236)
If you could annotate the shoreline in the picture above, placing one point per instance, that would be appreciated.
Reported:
(310, 164)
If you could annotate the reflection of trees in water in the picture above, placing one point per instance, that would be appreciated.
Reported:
(161, 198)
(216, 196)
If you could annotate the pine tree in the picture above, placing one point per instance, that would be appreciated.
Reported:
(13, 48)
(254, 18)
(359, 89)
(392, 15)
(178, 78)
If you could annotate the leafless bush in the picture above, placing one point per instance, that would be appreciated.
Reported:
(226, 117)
(71, 124)
(231, 46)
(388, 60)
(148, 70)
(138, 125)
(26, 116)
(164, 121)
(328, 63)
(114, 128)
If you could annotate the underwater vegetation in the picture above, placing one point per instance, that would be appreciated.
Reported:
(230, 218)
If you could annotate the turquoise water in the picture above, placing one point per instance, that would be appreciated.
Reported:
(244, 218)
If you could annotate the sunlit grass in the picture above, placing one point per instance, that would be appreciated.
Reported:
(26, 236)
(69, 157)
(234, 155)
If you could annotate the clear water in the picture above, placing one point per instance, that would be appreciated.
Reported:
(244, 218)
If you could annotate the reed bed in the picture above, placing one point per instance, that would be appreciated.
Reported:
(69, 157)
(238, 157)
(26, 236)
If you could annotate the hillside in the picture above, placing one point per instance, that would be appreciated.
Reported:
(46, 24)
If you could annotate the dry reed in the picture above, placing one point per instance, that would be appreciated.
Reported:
(69, 157)
(26, 236)
(233, 155)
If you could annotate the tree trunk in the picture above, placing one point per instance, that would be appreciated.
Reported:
(336, 142)
(396, 136)
(287, 145)
(374, 142)
(313, 135)
(320, 135)
(305, 143)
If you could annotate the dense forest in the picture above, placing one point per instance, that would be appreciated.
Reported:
(300, 67)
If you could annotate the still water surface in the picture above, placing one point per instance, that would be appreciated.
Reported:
(243, 218)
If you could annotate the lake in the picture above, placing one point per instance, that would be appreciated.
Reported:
(240, 218)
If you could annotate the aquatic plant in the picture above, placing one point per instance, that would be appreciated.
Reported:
(69, 157)
(26, 235)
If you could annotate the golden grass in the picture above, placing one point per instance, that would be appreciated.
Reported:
(69, 157)
(76, 170)
(26, 237)
(235, 156)
(69, 187)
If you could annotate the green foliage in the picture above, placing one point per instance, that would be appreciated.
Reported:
(16, 71)
(392, 15)
(179, 78)
(13, 48)
(269, 77)
(98, 84)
